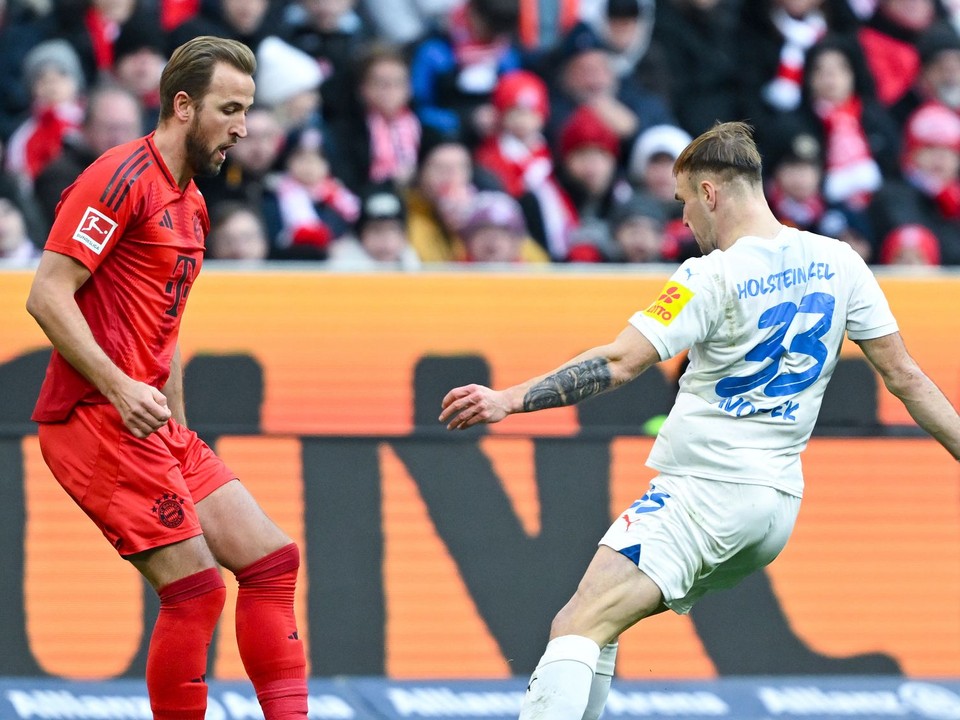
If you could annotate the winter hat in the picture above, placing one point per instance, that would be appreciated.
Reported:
(933, 125)
(584, 128)
(491, 208)
(581, 39)
(283, 72)
(56, 53)
(521, 88)
(910, 237)
(138, 34)
(638, 205)
(657, 140)
(381, 202)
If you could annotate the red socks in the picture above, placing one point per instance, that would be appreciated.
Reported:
(270, 648)
(177, 658)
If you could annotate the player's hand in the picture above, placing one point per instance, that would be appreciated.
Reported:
(142, 408)
(471, 405)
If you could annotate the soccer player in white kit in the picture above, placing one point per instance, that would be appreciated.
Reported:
(763, 314)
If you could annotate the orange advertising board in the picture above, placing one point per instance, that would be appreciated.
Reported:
(431, 557)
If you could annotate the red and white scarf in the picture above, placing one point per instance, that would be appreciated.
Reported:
(536, 170)
(784, 91)
(852, 175)
(298, 202)
(393, 145)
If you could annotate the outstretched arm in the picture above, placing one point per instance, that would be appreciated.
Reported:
(925, 402)
(590, 373)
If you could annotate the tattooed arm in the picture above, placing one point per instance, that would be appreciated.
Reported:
(590, 373)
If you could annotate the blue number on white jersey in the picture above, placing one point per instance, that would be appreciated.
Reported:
(806, 343)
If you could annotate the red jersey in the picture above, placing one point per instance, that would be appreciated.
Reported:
(142, 238)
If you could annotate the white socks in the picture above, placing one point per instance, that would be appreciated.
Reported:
(600, 687)
(560, 686)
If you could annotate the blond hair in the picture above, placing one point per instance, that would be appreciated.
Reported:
(726, 150)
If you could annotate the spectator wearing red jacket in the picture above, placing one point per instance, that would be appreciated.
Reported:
(519, 157)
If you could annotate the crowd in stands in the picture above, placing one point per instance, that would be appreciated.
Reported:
(394, 133)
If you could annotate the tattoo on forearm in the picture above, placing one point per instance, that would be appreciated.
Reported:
(569, 385)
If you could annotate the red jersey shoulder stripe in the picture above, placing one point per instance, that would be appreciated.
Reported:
(126, 174)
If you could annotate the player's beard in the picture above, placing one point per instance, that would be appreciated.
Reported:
(200, 158)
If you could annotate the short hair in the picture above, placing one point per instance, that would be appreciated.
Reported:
(377, 53)
(727, 150)
(190, 68)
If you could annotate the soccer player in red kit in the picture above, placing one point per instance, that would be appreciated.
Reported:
(109, 292)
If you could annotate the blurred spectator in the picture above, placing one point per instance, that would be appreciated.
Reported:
(383, 145)
(381, 234)
(249, 21)
(858, 136)
(929, 194)
(637, 228)
(16, 246)
(406, 21)
(588, 172)
(773, 39)
(889, 41)
(246, 171)
(651, 170)
(313, 207)
(794, 191)
(288, 82)
(236, 232)
(21, 29)
(55, 80)
(519, 157)
(910, 245)
(454, 71)
(113, 116)
(586, 77)
(438, 200)
(626, 28)
(652, 158)
(139, 56)
(494, 230)
(93, 26)
(699, 40)
(332, 33)
(939, 77)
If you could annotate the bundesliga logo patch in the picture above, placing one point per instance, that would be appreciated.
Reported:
(673, 298)
(95, 230)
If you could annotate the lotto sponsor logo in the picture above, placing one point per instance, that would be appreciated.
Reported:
(95, 230)
(672, 300)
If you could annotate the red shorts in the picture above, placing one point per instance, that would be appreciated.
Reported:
(140, 493)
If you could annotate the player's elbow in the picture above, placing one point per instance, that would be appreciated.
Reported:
(39, 301)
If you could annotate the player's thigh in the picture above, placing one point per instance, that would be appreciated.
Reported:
(613, 595)
(132, 488)
(236, 528)
(164, 565)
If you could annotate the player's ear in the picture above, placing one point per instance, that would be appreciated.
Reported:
(183, 106)
(708, 192)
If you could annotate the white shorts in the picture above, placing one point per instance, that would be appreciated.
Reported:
(691, 536)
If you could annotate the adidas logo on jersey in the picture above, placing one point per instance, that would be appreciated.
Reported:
(166, 221)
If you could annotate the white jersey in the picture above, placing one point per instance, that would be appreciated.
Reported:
(764, 321)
